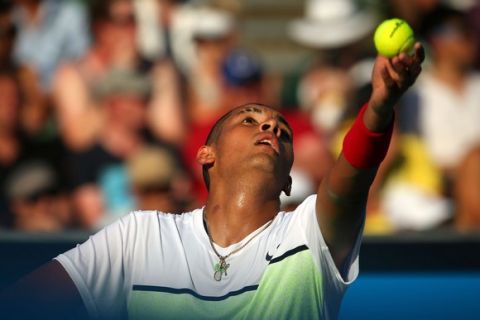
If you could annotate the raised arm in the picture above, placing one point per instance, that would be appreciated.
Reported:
(48, 293)
(342, 195)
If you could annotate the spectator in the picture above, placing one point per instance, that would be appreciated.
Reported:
(99, 175)
(114, 48)
(412, 191)
(214, 38)
(16, 143)
(243, 78)
(433, 148)
(153, 173)
(11, 144)
(327, 86)
(36, 204)
(165, 30)
(49, 32)
(34, 111)
(451, 89)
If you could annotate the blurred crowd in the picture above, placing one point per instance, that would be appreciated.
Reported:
(104, 104)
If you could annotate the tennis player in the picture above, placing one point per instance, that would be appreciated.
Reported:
(239, 256)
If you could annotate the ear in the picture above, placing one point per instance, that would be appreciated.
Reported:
(288, 186)
(205, 155)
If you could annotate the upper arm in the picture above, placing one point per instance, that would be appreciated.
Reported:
(47, 291)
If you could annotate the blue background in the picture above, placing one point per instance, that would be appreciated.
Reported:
(425, 295)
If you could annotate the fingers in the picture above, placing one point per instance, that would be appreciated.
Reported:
(400, 65)
(419, 53)
(404, 69)
(386, 74)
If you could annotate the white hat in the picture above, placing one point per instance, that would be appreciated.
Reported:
(212, 23)
(31, 178)
(331, 24)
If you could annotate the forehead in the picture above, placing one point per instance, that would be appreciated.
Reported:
(260, 109)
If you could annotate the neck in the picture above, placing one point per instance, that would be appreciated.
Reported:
(234, 210)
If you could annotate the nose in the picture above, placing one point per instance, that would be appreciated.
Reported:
(270, 125)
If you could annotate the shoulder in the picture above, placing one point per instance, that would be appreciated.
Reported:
(142, 226)
(167, 216)
(162, 219)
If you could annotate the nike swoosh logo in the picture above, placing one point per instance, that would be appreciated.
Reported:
(269, 257)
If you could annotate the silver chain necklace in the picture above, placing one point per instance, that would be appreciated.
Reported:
(221, 266)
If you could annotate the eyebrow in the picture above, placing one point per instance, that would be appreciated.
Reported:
(280, 118)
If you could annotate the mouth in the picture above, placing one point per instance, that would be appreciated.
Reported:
(268, 141)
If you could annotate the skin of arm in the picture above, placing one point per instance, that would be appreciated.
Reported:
(79, 119)
(342, 195)
(166, 118)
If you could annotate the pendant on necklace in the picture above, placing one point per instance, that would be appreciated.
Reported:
(220, 268)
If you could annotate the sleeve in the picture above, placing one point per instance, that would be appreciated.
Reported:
(97, 269)
(305, 214)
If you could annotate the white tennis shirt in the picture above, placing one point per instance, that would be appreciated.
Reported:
(151, 264)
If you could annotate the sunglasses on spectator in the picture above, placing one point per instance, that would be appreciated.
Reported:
(35, 197)
(162, 188)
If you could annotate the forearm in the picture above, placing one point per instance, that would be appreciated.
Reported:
(342, 196)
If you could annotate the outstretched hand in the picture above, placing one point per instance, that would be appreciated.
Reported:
(392, 77)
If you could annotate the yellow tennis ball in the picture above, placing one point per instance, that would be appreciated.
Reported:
(392, 37)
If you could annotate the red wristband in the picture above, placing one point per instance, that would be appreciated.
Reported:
(363, 148)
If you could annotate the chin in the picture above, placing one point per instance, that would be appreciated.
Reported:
(263, 162)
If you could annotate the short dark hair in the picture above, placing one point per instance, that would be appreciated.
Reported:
(215, 133)
(211, 139)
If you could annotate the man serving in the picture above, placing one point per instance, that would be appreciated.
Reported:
(239, 256)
